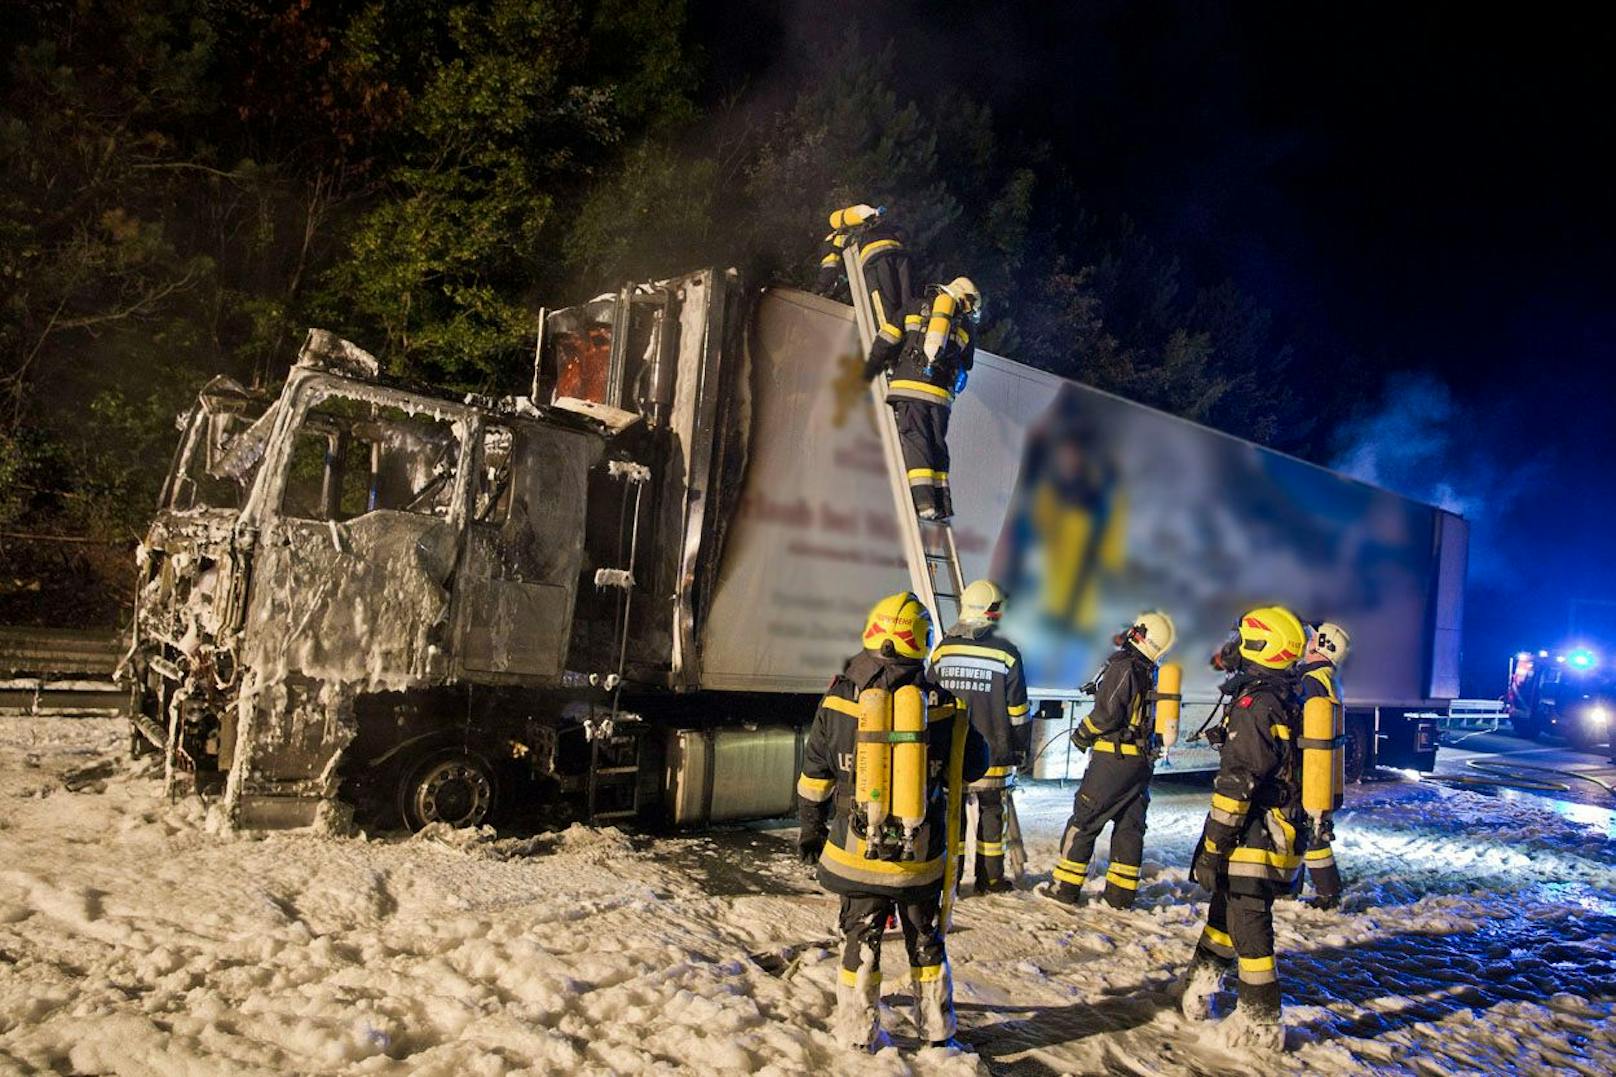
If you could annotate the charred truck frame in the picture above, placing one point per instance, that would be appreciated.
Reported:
(361, 592)
(371, 589)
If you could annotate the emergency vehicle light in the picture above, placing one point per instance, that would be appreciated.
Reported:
(1582, 658)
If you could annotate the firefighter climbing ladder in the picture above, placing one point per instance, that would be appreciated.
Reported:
(924, 553)
(923, 558)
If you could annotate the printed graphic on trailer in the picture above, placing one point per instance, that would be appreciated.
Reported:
(1086, 507)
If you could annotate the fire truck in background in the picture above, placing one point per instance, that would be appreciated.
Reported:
(1569, 693)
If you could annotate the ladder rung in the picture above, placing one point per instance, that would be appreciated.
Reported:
(601, 772)
(626, 814)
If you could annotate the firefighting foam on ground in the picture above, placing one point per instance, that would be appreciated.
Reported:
(1475, 936)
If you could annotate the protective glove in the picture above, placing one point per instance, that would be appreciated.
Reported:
(1209, 862)
(1081, 740)
(809, 846)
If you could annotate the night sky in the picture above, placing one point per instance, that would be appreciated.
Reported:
(1424, 193)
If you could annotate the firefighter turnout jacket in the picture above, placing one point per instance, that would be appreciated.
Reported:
(1317, 679)
(984, 672)
(1256, 823)
(885, 264)
(955, 753)
(1120, 722)
(900, 347)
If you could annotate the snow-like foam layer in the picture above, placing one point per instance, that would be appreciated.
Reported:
(1478, 937)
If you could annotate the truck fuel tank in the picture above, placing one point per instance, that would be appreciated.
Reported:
(742, 772)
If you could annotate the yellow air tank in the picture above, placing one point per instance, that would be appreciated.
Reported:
(1324, 763)
(909, 757)
(872, 763)
(852, 216)
(1169, 680)
(942, 319)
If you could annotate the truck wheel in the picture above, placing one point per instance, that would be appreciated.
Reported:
(450, 786)
(1357, 750)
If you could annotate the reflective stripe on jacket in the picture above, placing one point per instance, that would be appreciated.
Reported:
(984, 671)
(826, 786)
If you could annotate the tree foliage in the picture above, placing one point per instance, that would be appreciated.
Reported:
(185, 185)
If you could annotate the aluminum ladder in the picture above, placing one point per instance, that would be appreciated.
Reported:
(928, 545)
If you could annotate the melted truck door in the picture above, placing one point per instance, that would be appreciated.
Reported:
(359, 512)
(518, 580)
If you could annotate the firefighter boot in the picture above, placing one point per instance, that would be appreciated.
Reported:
(857, 1025)
(1255, 1021)
(1202, 980)
(990, 872)
(1245, 1030)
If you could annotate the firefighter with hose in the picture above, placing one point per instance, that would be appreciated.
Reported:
(1121, 737)
(1318, 677)
(880, 800)
(984, 671)
(1277, 773)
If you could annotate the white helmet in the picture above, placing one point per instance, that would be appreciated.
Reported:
(982, 603)
(965, 292)
(1332, 641)
(1152, 634)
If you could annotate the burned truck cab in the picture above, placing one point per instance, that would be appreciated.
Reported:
(363, 591)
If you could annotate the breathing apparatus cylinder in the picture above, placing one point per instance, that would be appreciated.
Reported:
(937, 329)
(873, 759)
(1168, 698)
(1324, 757)
(853, 216)
(909, 757)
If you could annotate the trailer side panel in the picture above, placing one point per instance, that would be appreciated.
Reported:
(1086, 506)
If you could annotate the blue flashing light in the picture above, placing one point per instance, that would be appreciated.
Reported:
(1582, 658)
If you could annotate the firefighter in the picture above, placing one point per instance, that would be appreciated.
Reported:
(1251, 846)
(853, 826)
(1118, 735)
(983, 670)
(882, 257)
(1318, 676)
(929, 357)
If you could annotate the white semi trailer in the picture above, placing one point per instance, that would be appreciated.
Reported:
(623, 595)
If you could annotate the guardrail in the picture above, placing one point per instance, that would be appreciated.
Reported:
(1475, 716)
(61, 673)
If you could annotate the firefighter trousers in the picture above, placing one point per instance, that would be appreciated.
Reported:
(989, 802)
(858, 990)
(923, 437)
(1115, 790)
(1240, 932)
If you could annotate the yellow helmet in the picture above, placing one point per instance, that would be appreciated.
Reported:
(1271, 636)
(982, 602)
(901, 620)
(965, 292)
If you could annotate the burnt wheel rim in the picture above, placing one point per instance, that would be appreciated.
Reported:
(455, 792)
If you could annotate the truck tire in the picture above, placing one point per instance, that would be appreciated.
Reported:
(1357, 749)
(451, 786)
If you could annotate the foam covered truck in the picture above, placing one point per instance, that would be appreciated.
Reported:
(621, 594)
